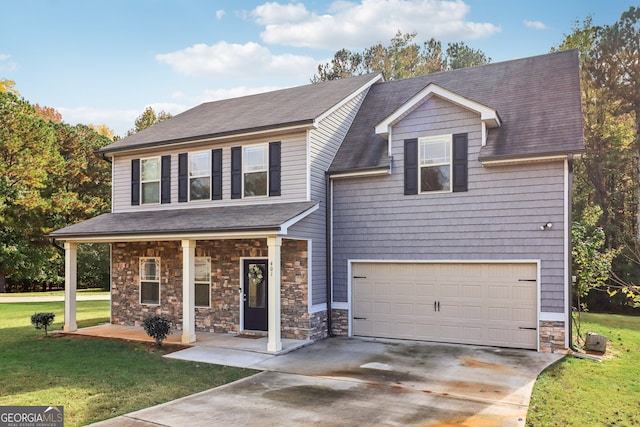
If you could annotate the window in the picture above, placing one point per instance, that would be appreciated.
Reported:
(202, 282)
(150, 281)
(150, 180)
(200, 175)
(255, 168)
(435, 163)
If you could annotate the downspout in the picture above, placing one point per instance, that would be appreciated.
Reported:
(328, 244)
(570, 249)
(56, 245)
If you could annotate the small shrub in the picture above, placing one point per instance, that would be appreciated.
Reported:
(42, 321)
(157, 327)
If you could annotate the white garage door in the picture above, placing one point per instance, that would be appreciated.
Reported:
(484, 304)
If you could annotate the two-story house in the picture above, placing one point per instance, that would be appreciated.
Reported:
(433, 208)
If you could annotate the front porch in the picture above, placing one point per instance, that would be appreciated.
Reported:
(207, 343)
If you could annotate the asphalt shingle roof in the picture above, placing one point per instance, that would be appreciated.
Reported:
(537, 99)
(286, 107)
(193, 220)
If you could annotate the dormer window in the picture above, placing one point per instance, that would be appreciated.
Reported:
(150, 180)
(200, 175)
(435, 163)
(255, 170)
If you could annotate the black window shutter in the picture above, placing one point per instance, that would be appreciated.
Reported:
(411, 166)
(274, 168)
(236, 172)
(135, 182)
(216, 174)
(165, 180)
(460, 173)
(183, 177)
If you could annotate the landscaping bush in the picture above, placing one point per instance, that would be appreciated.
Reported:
(157, 327)
(42, 321)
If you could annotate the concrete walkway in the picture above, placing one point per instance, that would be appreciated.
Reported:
(348, 381)
(53, 298)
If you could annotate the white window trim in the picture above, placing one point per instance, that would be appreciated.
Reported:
(449, 138)
(189, 176)
(197, 282)
(142, 260)
(159, 180)
(266, 147)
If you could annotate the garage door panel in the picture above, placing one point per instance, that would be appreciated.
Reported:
(479, 303)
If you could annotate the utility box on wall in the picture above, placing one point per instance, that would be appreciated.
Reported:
(595, 342)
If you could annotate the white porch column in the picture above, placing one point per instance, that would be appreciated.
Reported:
(70, 286)
(188, 291)
(274, 322)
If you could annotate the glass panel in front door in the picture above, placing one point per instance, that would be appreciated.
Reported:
(257, 292)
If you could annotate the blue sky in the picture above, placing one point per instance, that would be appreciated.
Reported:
(103, 62)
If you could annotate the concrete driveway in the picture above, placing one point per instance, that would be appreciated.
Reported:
(356, 382)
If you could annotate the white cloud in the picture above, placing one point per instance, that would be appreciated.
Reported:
(536, 25)
(359, 25)
(239, 61)
(6, 64)
(219, 14)
(275, 13)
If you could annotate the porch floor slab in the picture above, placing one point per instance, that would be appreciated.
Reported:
(218, 348)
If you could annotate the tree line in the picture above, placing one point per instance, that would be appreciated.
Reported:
(52, 178)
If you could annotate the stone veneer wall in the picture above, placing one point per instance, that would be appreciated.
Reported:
(340, 321)
(224, 313)
(552, 335)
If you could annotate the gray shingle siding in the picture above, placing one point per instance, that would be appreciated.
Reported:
(497, 219)
(323, 145)
(293, 185)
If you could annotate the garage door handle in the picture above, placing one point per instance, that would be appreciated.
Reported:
(528, 329)
(359, 318)
(527, 280)
(436, 306)
(359, 277)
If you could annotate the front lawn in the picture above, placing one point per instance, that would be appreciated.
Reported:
(93, 379)
(89, 291)
(578, 392)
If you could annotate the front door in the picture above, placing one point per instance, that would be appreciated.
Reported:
(255, 294)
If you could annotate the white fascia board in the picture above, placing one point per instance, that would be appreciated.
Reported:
(357, 92)
(358, 174)
(285, 226)
(234, 137)
(487, 114)
(523, 160)
(170, 237)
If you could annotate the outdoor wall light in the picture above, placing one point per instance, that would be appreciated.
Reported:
(546, 226)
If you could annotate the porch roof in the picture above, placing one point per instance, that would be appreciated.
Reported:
(176, 223)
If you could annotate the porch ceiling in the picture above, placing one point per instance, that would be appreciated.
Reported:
(192, 223)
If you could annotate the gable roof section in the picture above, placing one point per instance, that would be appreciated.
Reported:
(487, 114)
(292, 107)
(537, 98)
(198, 222)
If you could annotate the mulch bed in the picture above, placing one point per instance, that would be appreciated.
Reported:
(151, 347)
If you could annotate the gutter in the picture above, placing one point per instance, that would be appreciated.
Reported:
(328, 246)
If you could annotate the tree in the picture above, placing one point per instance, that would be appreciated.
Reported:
(49, 113)
(7, 85)
(28, 157)
(147, 119)
(615, 66)
(462, 56)
(43, 321)
(402, 58)
(51, 178)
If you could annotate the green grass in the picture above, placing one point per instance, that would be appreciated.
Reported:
(90, 291)
(93, 379)
(579, 392)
